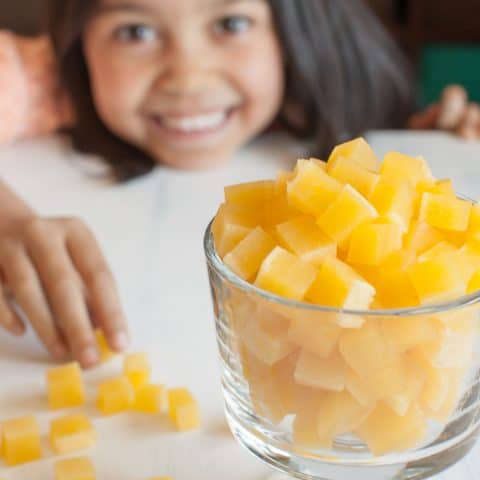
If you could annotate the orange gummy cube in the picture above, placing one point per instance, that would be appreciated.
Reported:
(251, 194)
(183, 409)
(71, 433)
(247, 256)
(151, 399)
(65, 386)
(136, 367)
(115, 396)
(21, 441)
(74, 469)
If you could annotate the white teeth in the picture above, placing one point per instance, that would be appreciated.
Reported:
(195, 123)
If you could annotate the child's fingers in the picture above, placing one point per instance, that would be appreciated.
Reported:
(24, 283)
(470, 124)
(8, 318)
(102, 292)
(452, 107)
(425, 120)
(66, 299)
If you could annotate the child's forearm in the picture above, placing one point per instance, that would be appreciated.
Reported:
(12, 207)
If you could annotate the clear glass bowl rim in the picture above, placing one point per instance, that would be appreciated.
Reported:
(215, 262)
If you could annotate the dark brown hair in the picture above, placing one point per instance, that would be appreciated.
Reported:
(344, 76)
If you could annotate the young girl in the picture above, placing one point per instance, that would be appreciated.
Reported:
(186, 83)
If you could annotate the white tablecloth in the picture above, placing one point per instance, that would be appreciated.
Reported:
(151, 230)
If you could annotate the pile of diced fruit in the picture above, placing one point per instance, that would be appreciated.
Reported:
(357, 234)
(132, 391)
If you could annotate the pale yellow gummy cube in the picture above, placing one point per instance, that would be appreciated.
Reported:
(65, 386)
(151, 399)
(74, 469)
(183, 409)
(115, 396)
(286, 275)
(317, 372)
(346, 212)
(358, 388)
(357, 150)
(304, 238)
(413, 169)
(443, 211)
(71, 433)
(247, 256)
(371, 243)
(386, 432)
(312, 189)
(106, 353)
(421, 237)
(21, 441)
(283, 177)
(349, 171)
(136, 367)
(338, 285)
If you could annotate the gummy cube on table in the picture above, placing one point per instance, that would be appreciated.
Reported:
(371, 243)
(445, 212)
(21, 441)
(413, 169)
(247, 256)
(136, 367)
(232, 223)
(312, 189)
(183, 409)
(349, 171)
(151, 399)
(106, 353)
(357, 150)
(285, 274)
(304, 238)
(71, 433)
(339, 285)
(345, 213)
(394, 200)
(115, 396)
(74, 469)
(65, 386)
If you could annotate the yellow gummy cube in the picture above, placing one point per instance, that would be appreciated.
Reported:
(443, 186)
(71, 433)
(286, 275)
(438, 279)
(183, 409)
(283, 177)
(21, 441)
(474, 221)
(315, 334)
(371, 243)
(136, 367)
(385, 431)
(65, 386)
(357, 150)
(474, 283)
(338, 285)
(349, 171)
(421, 237)
(445, 212)
(304, 238)
(106, 353)
(247, 256)
(232, 223)
(278, 210)
(345, 213)
(251, 194)
(115, 396)
(74, 469)
(317, 372)
(312, 189)
(394, 200)
(413, 169)
(151, 399)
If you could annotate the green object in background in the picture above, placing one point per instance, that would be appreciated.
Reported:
(441, 65)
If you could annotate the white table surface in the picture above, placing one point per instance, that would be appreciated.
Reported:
(151, 230)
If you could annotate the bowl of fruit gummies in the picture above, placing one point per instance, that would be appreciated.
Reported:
(346, 299)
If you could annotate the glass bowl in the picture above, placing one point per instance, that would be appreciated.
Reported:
(325, 393)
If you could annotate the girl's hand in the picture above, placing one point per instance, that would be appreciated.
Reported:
(57, 275)
(453, 113)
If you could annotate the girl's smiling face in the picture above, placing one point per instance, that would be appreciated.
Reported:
(187, 81)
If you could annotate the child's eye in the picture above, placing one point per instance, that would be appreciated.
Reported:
(233, 25)
(136, 33)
